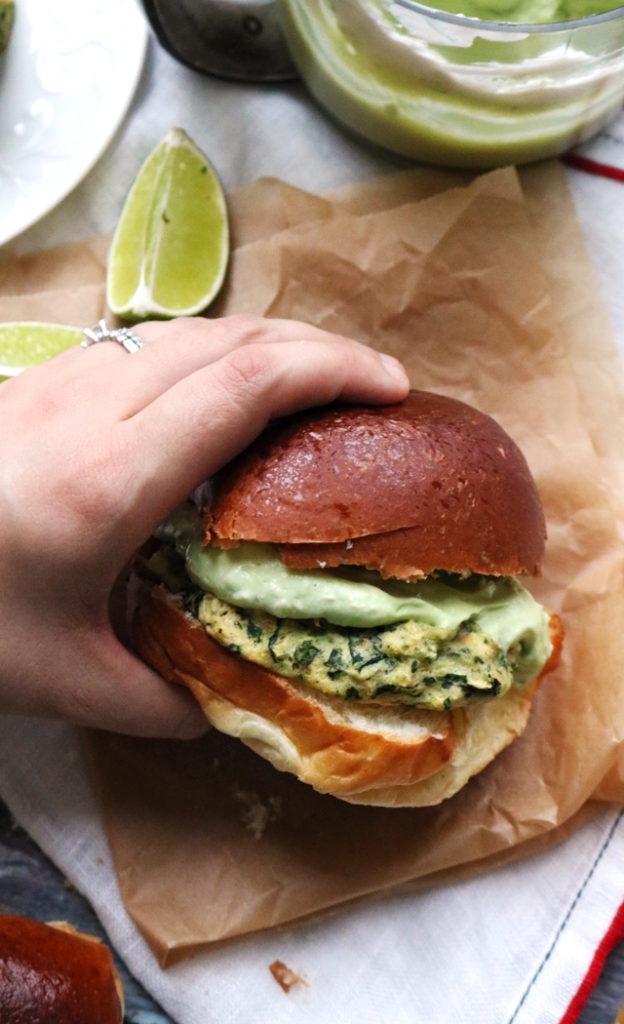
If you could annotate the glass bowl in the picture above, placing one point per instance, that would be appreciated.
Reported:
(461, 91)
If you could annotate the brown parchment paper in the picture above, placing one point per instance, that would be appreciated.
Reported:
(484, 289)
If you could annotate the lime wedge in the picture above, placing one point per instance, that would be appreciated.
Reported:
(7, 11)
(28, 342)
(170, 250)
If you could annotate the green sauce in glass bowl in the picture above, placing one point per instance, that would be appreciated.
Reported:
(472, 83)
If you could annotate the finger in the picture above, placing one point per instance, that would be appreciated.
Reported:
(133, 699)
(103, 380)
(118, 693)
(179, 348)
(201, 422)
(169, 356)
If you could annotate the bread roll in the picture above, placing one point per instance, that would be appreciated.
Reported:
(52, 974)
(426, 486)
(430, 483)
(410, 757)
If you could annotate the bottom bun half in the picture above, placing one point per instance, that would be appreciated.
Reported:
(362, 753)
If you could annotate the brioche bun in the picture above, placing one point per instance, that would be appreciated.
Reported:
(53, 974)
(370, 754)
(406, 489)
(426, 485)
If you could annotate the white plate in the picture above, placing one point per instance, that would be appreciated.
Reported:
(66, 80)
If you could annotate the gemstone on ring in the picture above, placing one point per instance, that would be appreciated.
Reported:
(122, 336)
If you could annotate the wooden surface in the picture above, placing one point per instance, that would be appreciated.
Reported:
(30, 885)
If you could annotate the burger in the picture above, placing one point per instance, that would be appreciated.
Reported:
(346, 599)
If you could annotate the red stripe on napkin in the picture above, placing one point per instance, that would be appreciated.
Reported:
(585, 163)
(614, 935)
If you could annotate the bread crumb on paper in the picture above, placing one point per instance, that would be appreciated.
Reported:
(284, 977)
(257, 814)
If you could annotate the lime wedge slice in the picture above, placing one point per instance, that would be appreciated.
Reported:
(7, 11)
(170, 250)
(28, 342)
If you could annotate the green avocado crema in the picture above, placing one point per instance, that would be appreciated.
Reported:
(439, 642)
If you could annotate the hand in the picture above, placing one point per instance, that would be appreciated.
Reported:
(99, 447)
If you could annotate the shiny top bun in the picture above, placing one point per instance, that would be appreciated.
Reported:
(53, 974)
(426, 484)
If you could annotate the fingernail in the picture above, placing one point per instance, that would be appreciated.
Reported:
(393, 368)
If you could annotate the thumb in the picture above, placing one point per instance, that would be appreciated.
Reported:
(123, 695)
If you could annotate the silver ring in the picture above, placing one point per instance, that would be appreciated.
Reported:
(122, 335)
